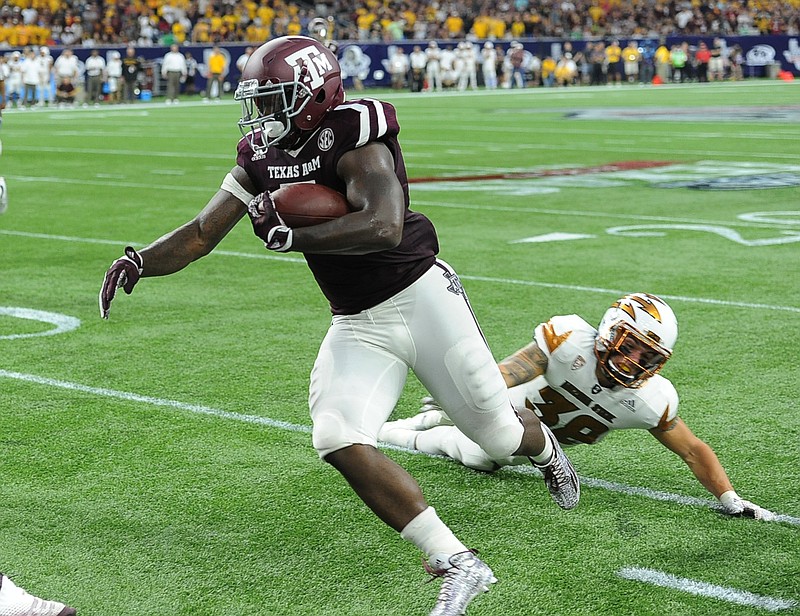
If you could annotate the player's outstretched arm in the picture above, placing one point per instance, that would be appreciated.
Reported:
(524, 365)
(175, 250)
(703, 462)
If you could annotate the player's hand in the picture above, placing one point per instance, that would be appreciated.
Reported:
(124, 272)
(429, 404)
(268, 224)
(734, 505)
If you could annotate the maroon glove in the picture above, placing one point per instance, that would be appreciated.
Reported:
(125, 273)
(268, 224)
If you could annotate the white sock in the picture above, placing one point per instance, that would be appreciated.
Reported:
(433, 537)
(546, 453)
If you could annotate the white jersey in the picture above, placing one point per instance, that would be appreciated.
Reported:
(572, 403)
(567, 398)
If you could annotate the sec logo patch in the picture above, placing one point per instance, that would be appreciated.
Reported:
(325, 140)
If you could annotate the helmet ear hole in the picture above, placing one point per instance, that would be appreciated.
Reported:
(320, 96)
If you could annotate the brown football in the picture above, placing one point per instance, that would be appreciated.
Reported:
(304, 205)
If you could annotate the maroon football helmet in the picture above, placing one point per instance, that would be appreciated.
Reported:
(286, 88)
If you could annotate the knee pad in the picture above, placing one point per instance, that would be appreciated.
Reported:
(503, 439)
(475, 373)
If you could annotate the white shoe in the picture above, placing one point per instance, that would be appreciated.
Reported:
(3, 196)
(403, 432)
(464, 579)
(425, 420)
(559, 475)
(14, 601)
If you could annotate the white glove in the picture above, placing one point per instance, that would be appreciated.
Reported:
(733, 504)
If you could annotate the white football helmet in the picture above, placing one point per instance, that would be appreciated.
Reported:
(635, 338)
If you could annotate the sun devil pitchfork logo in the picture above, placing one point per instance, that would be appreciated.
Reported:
(315, 63)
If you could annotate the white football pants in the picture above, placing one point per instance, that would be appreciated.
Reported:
(363, 362)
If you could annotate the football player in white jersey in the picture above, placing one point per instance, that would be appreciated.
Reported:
(584, 382)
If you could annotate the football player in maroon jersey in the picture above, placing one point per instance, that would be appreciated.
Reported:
(395, 305)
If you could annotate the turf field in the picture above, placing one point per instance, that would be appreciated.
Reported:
(160, 463)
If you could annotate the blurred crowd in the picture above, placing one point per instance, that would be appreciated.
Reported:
(164, 22)
(493, 65)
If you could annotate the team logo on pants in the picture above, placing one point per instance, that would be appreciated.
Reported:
(455, 283)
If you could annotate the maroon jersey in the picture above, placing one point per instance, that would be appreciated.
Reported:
(351, 283)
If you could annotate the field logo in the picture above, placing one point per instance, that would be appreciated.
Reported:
(741, 182)
(63, 323)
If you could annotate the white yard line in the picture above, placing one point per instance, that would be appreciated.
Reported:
(488, 279)
(704, 589)
(283, 425)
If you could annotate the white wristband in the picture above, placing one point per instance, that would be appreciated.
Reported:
(230, 184)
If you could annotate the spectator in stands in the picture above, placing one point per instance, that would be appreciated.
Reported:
(216, 63)
(95, 76)
(173, 69)
(454, 24)
(494, 20)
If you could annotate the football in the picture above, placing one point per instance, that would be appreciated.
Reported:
(304, 205)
